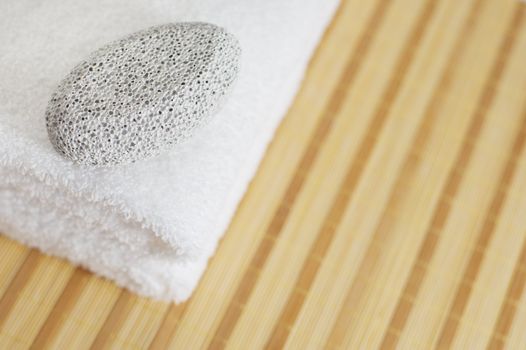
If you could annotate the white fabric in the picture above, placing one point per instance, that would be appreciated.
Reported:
(150, 226)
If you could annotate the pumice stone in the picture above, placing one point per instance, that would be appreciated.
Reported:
(143, 94)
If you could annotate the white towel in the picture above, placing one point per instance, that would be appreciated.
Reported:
(151, 226)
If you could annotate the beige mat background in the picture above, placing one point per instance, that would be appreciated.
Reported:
(390, 209)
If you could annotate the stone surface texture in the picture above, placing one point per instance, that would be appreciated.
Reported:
(143, 94)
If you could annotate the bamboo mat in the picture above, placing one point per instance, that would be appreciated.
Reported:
(389, 211)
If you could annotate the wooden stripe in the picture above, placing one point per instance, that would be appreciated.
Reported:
(114, 321)
(168, 326)
(405, 177)
(13, 255)
(144, 314)
(513, 295)
(471, 271)
(461, 298)
(17, 284)
(356, 291)
(87, 315)
(251, 275)
(430, 242)
(62, 307)
(324, 239)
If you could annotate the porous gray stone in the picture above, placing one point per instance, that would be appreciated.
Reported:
(143, 94)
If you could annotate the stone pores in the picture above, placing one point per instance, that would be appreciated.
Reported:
(141, 95)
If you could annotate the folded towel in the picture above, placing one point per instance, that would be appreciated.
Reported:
(149, 226)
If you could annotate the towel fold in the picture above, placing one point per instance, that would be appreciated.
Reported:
(149, 226)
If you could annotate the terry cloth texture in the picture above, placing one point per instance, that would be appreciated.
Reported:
(149, 226)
